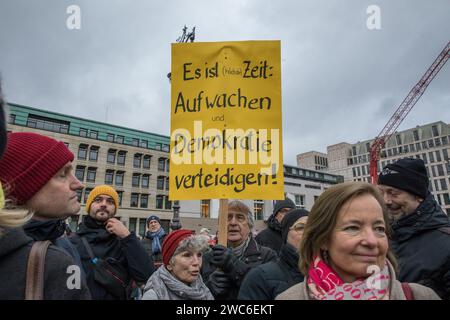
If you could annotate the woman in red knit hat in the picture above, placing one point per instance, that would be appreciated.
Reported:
(179, 277)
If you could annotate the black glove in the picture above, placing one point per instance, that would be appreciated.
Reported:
(218, 283)
(223, 258)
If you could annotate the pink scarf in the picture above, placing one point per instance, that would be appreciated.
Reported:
(324, 284)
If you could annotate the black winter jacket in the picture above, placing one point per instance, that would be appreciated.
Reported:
(127, 251)
(15, 247)
(271, 236)
(268, 280)
(254, 255)
(421, 242)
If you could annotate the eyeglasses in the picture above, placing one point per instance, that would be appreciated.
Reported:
(299, 227)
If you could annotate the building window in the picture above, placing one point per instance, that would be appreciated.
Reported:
(258, 209)
(146, 163)
(416, 135)
(79, 194)
(144, 144)
(142, 226)
(82, 152)
(111, 157)
(445, 154)
(144, 200)
(167, 184)
(145, 180)
(136, 179)
(83, 132)
(354, 151)
(444, 140)
(418, 146)
(120, 194)
(205, 207)
(121, 157)
(168, 203)
(437, 142)
(12, 119)
(165, 147)
(440, 170)
(87, 191)
(110, 137)
(424, 158)
(93, 154)
(299, 200)
(160, 183)
(398, 139)
(159, 202)
(119, 178)
(132, 225)
(134, 200)
(168, 165)
(137, 160)
(135, 142)
(161, 164)
(435, 131)
(438, 156)
(79, 172)
(91, 173)
(158, 146)
(93, 134)
(109, 176)
(120, 139)
(431, 155)
(38, 122)
(443, 184)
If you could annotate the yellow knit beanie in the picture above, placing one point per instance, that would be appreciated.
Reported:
(103, 189)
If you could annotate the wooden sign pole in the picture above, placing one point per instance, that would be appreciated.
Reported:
(223, 217)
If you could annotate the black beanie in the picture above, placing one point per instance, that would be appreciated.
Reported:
(281, 204)
(406, 174)
(289, 220)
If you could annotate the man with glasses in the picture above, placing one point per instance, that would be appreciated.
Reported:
(102, 236)
(267, 281)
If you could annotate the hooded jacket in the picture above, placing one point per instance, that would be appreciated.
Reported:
(271, 236)
(15, 247)
(268, 280)
(127, 251)
(421, 243)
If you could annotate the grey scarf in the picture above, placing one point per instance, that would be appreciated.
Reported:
(240, 249)
(162, 285)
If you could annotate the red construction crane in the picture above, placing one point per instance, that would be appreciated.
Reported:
(403, 110)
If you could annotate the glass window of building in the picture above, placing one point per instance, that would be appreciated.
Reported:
(167, 183)
(437, 142)
(137, 160)
(205, 207)
(431, 155)
(79, 194)
(430, 143)
(121, 157)
(445, 154)
(79, 172)
(135, 142)
(159, 201)
(120, 139)
(440, 169)
(147, 160)
(134, 200)
(435, 130)
(119, 178)
(111, 157)
(132, 225)
(438, 156)
(49, 124)
(424, 158)
(110, 137)
(418, 146)
(443, 184)
(109, 176)
(93, 134)
(82, 152)
(91, 173)
(160, 183)
(120, 194)
(167, 165)
(144, 200)
(93, 153)
(12, 119)
(145, 180)
(416, 135)
(258, 209)
(144, 144)
(398, 139)
(161, 164)
(168, 203)
(444, 140)
(165, 147)
(83, 132)
(136, 179)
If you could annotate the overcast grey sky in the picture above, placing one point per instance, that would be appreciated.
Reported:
(340, 80)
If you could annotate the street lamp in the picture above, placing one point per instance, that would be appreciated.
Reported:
(175, 223)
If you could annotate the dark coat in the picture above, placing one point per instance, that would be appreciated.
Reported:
(254, 255)
(421, 242)
(127, 251)
(268, 280)
(15, 247)
(271, 236)
(147, 244)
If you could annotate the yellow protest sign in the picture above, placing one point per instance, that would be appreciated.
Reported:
(226, 121)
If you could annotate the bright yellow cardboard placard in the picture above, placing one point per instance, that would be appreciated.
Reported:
(226, 121)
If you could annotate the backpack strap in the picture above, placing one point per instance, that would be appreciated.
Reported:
(88, 248)
(407, 291)
(34, 287)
